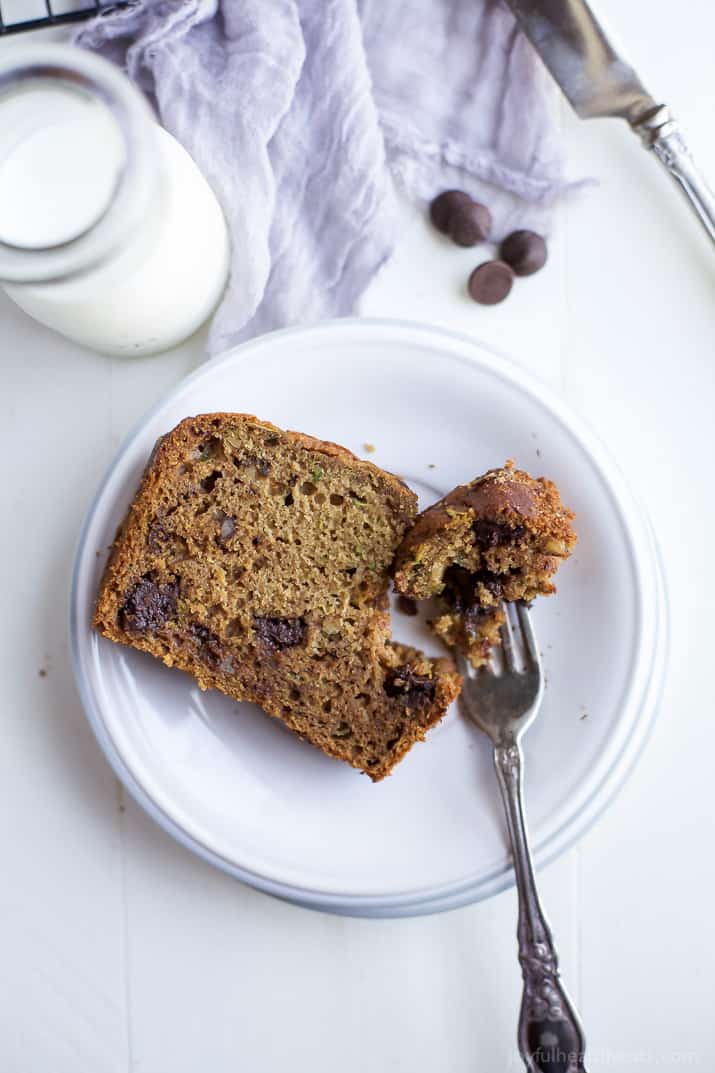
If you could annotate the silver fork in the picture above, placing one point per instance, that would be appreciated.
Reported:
(504, 703)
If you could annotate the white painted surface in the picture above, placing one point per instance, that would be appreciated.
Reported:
(122, 952)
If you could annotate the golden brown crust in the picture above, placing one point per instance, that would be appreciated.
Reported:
(502, 495)
(500, 537)
(256, 560)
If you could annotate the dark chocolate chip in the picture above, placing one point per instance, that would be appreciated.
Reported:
(491, 582)
(458, 592)
(461, 588)
(279, 633)
(208, 483)
(148, 605)
(490, 282)
(488, 534)
(409, 688)
(444, 205)
(406, 605)
(494, 534)
(525, 251)
(470, 224)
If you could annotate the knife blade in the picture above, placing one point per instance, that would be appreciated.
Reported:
(598, 81)
(595, 79)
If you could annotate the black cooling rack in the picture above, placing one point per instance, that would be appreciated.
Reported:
(19, 15)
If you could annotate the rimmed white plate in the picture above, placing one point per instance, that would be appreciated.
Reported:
(236, 787)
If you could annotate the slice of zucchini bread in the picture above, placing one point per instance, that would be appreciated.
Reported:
(257, 560)
(500, 537)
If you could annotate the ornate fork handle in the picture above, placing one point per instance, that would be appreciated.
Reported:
(550, 1036)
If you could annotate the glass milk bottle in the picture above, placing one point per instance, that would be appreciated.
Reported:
(109, 232)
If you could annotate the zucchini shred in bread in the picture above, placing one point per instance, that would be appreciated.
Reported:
(500, 537)
(257, 560)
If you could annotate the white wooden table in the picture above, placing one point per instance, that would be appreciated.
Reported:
(119, 951)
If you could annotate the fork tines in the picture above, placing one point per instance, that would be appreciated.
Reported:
(519, 649)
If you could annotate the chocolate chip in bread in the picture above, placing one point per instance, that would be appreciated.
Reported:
(500, 537)
(257, 560)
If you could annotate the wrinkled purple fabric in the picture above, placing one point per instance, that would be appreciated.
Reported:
(305, 115)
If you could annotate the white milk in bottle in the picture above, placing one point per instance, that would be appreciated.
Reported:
(109, 232)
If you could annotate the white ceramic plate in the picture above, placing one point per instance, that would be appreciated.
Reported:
(238, 788)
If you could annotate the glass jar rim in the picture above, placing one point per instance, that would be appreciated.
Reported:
(139, 179)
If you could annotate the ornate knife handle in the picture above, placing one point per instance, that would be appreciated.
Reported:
(550, 1036)
(659, 132)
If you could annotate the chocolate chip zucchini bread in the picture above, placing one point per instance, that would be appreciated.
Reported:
(257, 560)
(500, 537)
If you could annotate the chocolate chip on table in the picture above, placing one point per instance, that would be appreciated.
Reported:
(469, 224)
(148, 605)
(411, 689)
(444, 205)
(279, 633)
(525, 251)
(490, 282)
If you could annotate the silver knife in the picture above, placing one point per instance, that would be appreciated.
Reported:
(597, 81)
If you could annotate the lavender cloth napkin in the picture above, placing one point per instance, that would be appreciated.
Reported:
(304, 115)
